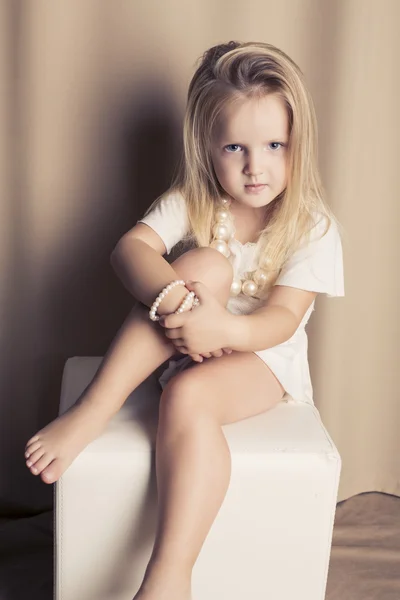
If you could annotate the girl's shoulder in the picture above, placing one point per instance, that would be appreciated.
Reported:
(322, 225)
(174, 199)
(317, 265)
(170, 206)
(168, 217)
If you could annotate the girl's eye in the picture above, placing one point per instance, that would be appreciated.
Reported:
(232, 146)
(237, 146)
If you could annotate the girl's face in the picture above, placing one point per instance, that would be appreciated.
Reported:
(250, 145)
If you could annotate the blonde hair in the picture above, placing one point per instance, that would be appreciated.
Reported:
(230, 72)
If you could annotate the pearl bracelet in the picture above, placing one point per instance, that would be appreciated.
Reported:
(186, 301)
(160, 298)
(153, 310)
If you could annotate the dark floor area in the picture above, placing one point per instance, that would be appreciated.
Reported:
(365, 560)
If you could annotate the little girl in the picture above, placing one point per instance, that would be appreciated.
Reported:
(258, 244)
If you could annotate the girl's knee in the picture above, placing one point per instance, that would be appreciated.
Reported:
(206, 265)
(180, 398)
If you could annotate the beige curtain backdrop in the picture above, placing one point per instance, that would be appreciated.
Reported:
(91, 103)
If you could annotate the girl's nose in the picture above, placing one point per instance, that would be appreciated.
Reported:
(253, 167)
(254, 172)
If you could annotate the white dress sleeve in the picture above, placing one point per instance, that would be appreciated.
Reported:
(169, 219)
(317, 267)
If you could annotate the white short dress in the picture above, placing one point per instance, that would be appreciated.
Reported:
(318, 267)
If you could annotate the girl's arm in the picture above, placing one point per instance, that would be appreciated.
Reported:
(273, 323)
(144, 273)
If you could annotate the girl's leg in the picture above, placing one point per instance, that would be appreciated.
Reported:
(139, 348)
(193, 461)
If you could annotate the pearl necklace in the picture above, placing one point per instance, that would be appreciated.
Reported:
(224, 230)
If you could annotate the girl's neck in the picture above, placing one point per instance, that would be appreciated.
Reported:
(248, 221)
(255, 214)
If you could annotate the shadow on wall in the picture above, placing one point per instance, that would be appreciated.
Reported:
(73, 304)
(83, 304)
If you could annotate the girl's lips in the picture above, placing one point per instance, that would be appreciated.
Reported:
(255, 188)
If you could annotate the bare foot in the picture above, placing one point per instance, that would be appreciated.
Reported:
(165, 584)
(164, 592)
(51, 451)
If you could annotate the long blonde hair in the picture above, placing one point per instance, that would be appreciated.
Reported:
(228, 72)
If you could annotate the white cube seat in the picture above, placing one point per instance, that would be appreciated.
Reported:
(270, 540)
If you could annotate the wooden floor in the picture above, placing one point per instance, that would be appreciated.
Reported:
(365, 560)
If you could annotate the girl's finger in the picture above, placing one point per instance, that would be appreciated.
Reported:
(178, 343)
(196, 357)
(172, 334)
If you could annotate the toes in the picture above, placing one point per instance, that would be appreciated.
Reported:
(34, 457)
(41, 464)
(32, 440)
(53, 472)
(30, 449)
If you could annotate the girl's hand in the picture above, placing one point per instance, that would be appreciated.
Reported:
(216, 353)
(206, 329)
